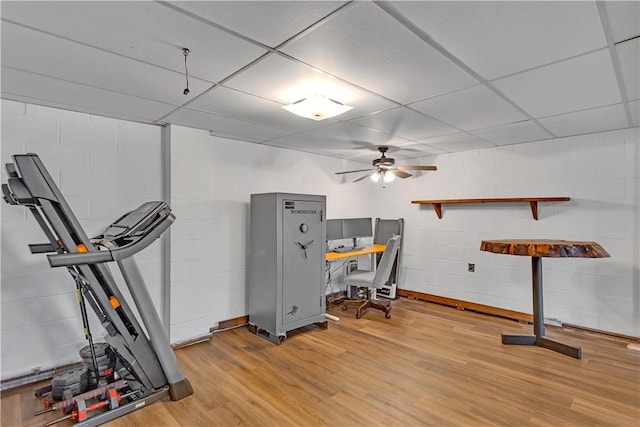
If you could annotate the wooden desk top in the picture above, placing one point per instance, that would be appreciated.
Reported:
(367, 250)
(545, 248)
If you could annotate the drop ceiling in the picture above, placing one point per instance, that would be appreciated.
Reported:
(424, 77)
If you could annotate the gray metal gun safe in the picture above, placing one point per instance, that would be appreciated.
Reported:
(287, 258)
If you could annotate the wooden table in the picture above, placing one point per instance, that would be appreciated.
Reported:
(537, 249)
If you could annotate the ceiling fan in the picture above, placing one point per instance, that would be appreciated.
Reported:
(385, 168)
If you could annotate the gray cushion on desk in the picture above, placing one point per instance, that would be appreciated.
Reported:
(360, 278)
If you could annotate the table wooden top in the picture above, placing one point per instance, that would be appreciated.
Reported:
(367, 250)
(545, 248)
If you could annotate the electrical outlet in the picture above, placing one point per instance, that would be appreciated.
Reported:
(471, 268)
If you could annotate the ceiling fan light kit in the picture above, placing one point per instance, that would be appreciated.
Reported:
(385, 168)
(317, 107)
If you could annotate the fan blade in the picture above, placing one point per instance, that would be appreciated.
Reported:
(417, 168)
(365, 176)
(400, 174)
(358, 170)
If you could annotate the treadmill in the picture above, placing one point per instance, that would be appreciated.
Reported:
(147, 370)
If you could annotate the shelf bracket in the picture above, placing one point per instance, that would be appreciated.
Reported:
(438, 208)
(534, 209)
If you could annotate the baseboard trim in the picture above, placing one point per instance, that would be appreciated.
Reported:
(601, 332)
(191, 341)
(495, 311)
(36, 375)
(466, 305)
(225, 325)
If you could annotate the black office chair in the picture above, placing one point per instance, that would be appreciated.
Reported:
(372, 280)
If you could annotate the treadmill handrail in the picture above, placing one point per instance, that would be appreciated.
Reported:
(79, 258)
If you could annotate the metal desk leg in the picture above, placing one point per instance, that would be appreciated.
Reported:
(538, 337)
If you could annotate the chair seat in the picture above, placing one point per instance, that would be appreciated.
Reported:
(359, 278)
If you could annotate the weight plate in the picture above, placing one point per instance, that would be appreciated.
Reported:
(100, 348)
(70, 377)
(107, 358)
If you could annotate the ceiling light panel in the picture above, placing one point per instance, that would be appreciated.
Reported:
(364, 45)
(41, 90)
(468, 109)
(285, 81)
(268, 22)
(52, 56)
(497, 38)
(157, 39)
(240, 105)
(225, 127)
(589, 121)
(629, 59)
(405, 123)
(580, 83)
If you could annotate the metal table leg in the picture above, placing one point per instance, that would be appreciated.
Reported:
(538, 337)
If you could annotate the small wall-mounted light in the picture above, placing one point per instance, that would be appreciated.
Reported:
(317, 107)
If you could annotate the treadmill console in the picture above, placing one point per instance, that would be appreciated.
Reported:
(134, 225)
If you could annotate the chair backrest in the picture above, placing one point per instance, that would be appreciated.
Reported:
(383, 231)
(386, 262)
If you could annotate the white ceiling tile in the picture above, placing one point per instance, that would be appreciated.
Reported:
(405, 123)
(40, 90)
(158, 38)
(457, 142)
(124, 60)
(364, 45)
(223, 126)
(576, 84)
(270, 22)
(285, 81)
(635, 112)
(496, 38)
(468, 109)
(337, 135)
(240, 105)
(629, 57)
(416, 151)
(624, 19)
(513, 133)
(588, 121)
(51, 56)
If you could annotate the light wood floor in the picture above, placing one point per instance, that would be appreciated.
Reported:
(427, 365)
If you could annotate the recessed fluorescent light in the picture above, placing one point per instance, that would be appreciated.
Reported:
(317, 107)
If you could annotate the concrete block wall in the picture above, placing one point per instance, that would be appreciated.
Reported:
(104, 168)
(601, 174)
(212, 179)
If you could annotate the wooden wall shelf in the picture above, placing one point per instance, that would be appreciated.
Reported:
(533, 202)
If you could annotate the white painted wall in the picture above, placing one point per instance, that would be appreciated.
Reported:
(212, 180)
(601, 174)
(104, 167)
